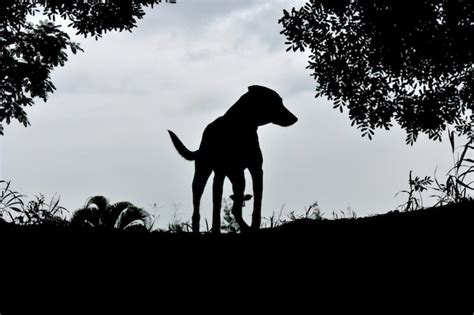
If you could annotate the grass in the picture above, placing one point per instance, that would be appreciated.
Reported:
(457, 186)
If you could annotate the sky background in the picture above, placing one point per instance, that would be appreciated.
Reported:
(103, 132)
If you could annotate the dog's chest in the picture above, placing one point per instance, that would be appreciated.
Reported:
(231, 144)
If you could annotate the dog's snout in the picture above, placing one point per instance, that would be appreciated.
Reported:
(293, 119)
(286, 118)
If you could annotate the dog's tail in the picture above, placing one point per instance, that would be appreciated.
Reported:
(182, 150)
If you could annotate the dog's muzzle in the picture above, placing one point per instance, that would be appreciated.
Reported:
(286, 118)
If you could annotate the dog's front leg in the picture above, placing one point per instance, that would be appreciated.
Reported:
(257, 181)
(201, 175)
(238, 187)
(217, 202)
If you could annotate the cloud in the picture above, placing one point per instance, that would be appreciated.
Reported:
(230, 53)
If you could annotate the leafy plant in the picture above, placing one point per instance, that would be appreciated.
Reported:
(458, 183)
(10, 201)
(229, 225)
(98, 212)
(132, 217)
(38, 212)
(34, 212)
(417, 185)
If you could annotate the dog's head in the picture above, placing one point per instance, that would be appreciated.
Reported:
(267, 107)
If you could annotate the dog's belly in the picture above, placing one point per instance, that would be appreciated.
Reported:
(234, 164)
(232, 159)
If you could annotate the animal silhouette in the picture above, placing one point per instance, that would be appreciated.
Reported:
(230, 145)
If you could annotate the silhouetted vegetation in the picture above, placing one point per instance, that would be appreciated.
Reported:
(29, 51)
(177, 225)
(33, 212)
(416, 185)
(455, 189)
(458, 181)
(428, 248)
(391, 60)
(229, 225)
(99, 212)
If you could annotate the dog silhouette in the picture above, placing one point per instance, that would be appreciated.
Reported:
(230, 145)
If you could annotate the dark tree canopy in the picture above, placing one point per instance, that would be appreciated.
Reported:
(29, 52)
(391, 60)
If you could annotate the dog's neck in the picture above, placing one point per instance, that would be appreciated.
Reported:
(243, 115)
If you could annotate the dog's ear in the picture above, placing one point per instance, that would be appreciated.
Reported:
(261, 89)
(254, 88)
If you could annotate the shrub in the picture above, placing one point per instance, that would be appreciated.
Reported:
(98, 212)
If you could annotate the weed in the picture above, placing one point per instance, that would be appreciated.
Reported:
(344, 214)
(458, 182)
(417, 185)
(10, 201)
(274, 220)
(38, 211)
(34, 212)
(457, 185)
(177, 225)
(312, 212)
(229, 225)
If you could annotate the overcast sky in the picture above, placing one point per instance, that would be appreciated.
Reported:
(103, 132)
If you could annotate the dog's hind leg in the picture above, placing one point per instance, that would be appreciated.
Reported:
(217, 188)
(238, 187)
(201, 175)
(257, 181)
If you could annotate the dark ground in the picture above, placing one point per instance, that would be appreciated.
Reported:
(412, 262)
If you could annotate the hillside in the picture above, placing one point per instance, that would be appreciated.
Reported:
(425, 253)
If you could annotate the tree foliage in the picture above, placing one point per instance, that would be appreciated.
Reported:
(30, 51)
(390, 60)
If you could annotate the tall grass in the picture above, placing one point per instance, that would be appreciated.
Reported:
(458, 183)
(456, 187)
(10, 201)
(34, 212)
